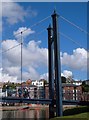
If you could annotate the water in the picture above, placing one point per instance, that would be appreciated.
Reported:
(35, 114)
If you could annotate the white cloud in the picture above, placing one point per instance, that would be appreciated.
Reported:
(0, 18)
(6, 77)
(13, 70)
(13, 55)
(67, 74)
(13, 12)
(0, 9)
(32, 53)
(44, 76)
(32, 12)
(33, 73)
(25, 32)
(34, 57)
(78, 60)
(37, 54)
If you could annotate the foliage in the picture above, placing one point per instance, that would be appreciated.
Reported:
(63, 79)
(85, 87)
(78, 112)
(45, 82)
(9, 86)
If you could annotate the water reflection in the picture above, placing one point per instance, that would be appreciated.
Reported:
(36, 114)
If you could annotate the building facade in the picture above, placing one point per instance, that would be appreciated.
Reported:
(69, 92)
(36, 92)
(37, 83)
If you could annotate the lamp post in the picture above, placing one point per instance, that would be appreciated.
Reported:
(21, 58)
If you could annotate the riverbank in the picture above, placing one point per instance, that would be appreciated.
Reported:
(20, 107)
(30, 106)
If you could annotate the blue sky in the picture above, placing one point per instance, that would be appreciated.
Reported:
(74, 12)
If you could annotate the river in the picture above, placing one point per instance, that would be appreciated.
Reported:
(32, 113)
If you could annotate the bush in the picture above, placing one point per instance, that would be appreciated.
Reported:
(76, 110)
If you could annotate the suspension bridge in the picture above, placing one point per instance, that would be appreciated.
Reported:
(54, 67)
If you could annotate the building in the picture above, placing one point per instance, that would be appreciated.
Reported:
(47, 91)
(69, 91)
(77, 82)
(36, 92)
(38, 87)
(37, 83)
(32, 91)
(2, 94)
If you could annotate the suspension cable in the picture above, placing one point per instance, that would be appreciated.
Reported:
(69, 38)
(10, 48)
(33, 25)
(21, 42)
(73, 24)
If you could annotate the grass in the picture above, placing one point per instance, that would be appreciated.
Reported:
(78, 113)
(82, 116)
(76, 110)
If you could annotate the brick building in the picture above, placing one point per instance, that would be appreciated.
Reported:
(46, 91)
(69, 91)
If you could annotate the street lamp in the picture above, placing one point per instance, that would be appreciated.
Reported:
(21, 57)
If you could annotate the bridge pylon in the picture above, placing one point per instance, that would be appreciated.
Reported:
(54, 67)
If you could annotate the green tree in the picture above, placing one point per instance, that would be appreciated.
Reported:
(63, 79)
(85, 88)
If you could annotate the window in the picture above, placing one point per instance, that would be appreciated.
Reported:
(76, 98)
(41, 83)
(73, 98)
(64, 98)
(68, 87)
(35, 88)
(36, 83)
(76, 91)
(63, 91)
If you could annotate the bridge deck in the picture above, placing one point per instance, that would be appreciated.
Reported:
(40, 101)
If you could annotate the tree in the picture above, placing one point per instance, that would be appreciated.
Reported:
(85, 88)
(63, 79)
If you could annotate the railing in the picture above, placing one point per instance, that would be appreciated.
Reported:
(41, 101)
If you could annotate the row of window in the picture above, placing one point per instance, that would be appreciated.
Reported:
(37, 83)
(71, 91)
